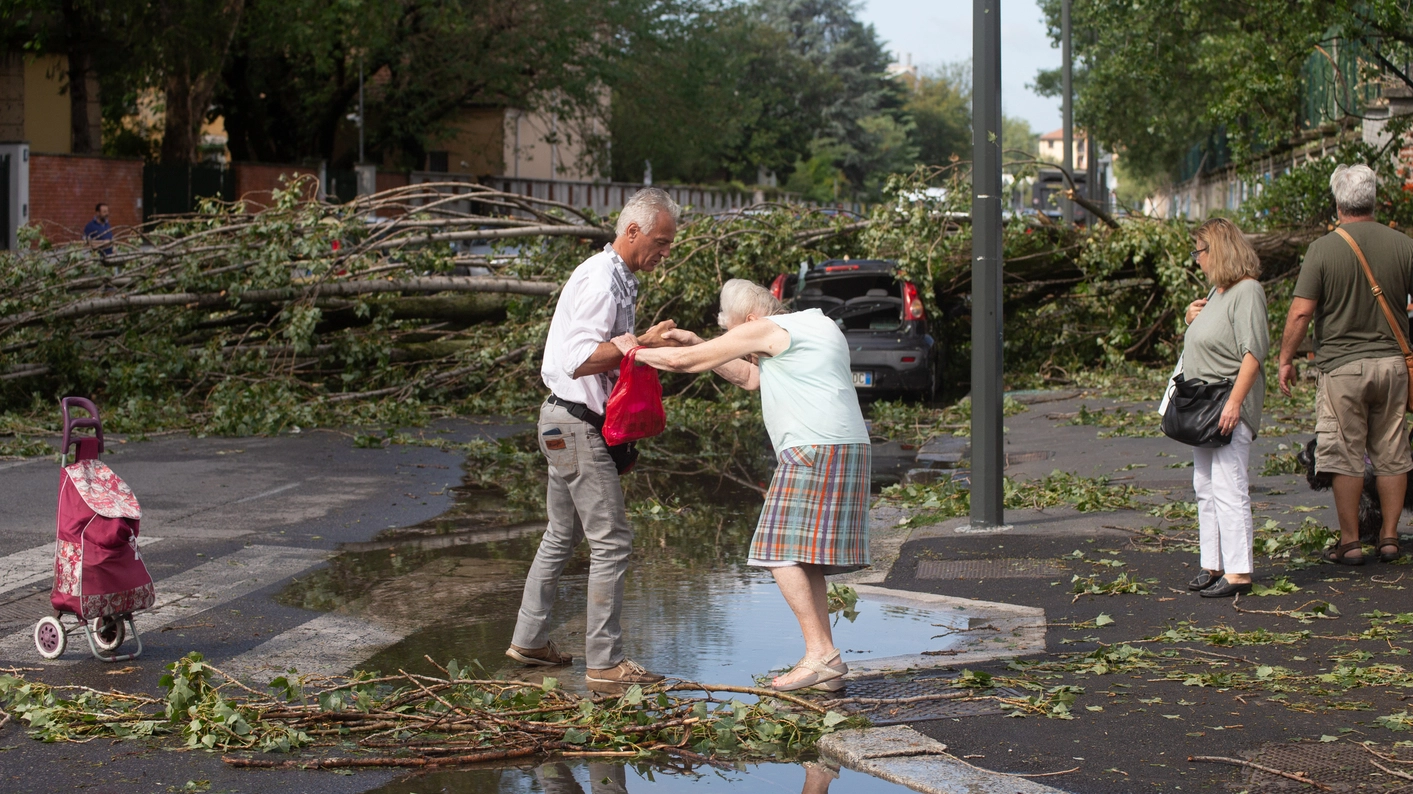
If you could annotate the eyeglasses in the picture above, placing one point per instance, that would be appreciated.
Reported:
(1197, 251)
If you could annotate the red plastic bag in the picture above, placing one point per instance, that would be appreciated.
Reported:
(635, 408)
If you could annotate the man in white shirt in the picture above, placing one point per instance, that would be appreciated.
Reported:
(585, 499)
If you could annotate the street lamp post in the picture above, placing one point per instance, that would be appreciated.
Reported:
(987, 461)
(1067, 71)
(360, 109)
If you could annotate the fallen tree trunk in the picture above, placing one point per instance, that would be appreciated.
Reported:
(556, 230)
(121, 304)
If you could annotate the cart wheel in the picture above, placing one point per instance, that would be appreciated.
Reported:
(49, 637)
(108, 632)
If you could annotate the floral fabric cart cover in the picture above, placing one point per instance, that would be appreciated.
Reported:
(98, 569)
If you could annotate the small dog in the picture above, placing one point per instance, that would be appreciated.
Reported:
(1371, 514)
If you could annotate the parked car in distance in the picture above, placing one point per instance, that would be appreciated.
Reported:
(881, 315)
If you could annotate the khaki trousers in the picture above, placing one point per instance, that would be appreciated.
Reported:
(584, 501)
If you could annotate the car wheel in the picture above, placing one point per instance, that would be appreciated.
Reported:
(935, 384)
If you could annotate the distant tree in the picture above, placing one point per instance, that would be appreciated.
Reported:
(852, 65)
(798, 88)
(940, 106)
(89, 35)
(1153, 79)
(1020, 141)
(293, 77)
(716, 96)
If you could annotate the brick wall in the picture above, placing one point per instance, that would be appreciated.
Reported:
(63, 189)
(255, 183)
(387, 180)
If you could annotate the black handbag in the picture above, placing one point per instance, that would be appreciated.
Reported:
(1195, 410)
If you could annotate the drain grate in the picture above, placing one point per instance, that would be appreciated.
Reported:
(1340, 765)
(1016, 568)
(1012, 458)
(21, 610)
(941, 700)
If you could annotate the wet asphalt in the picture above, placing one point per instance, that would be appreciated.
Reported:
(210, 498)
(1116, 741)
(207, 499)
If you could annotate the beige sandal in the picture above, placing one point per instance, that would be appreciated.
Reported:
(827, 674)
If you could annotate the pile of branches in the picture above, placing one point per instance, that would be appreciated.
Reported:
(305, 313)
(410, 719)
(280, 294)
(436, 298)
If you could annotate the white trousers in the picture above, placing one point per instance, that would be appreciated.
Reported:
(1222, 484)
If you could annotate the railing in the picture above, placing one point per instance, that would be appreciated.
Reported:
(603, 198)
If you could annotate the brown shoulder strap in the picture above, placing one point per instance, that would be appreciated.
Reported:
(1378, 293)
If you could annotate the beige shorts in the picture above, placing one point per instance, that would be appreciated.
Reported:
(1359, 411)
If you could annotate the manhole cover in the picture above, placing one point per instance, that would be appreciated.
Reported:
(1340, 765)
(889, 702)
(1012, 458)
(20, 610)
(1019, 568)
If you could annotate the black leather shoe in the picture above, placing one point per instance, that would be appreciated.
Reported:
(1204, 580)
(1225, 589)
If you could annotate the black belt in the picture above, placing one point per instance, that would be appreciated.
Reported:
(579, 411)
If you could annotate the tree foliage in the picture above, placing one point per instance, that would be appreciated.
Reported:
(293, 76)
(798, 88)
(270, 325)
(1153, 79)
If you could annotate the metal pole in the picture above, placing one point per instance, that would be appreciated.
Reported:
(360, 109)
(1092, 189)
(1067, 68)
(987, 456)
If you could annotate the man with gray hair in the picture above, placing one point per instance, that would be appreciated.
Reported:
(584, 500)
(1362, 389)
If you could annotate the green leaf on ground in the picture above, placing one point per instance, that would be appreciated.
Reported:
(1281, 586)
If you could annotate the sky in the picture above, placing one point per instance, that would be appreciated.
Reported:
(939, 31)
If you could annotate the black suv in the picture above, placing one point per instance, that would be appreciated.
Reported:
(881, 315)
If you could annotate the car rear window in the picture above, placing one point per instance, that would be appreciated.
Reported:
(857, 302)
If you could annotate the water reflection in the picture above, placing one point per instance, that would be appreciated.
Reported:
(692, 608)
(566, 776)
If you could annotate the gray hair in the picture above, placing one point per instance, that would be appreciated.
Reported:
(740, 297)
(643, 209)
(1354, 188)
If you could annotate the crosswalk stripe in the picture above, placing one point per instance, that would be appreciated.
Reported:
(327, 645)
(192, 591)
(37, 564)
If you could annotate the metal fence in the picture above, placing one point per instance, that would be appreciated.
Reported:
(176, 189)
(604, 198)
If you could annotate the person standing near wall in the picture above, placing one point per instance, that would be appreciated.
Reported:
(99, 231)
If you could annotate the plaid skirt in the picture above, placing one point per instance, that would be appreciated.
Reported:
(816, 510)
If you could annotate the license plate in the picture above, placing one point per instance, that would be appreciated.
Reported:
(864, 379)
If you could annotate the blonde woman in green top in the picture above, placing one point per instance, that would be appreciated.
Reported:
(1227, 337)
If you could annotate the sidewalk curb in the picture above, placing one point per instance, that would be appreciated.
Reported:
(901, 755)
(1014, 630)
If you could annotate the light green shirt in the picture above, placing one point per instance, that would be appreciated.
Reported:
(1232, 324)
(807, 392)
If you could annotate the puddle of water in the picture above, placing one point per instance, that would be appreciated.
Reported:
(692, 609)
(579, 777)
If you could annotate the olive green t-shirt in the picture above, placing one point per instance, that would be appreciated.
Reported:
(1349, 324)
(1232, 324)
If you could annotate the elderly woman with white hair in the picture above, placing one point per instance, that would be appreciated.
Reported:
(815, 519)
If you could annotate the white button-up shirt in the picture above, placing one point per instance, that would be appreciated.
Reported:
(597, 304)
